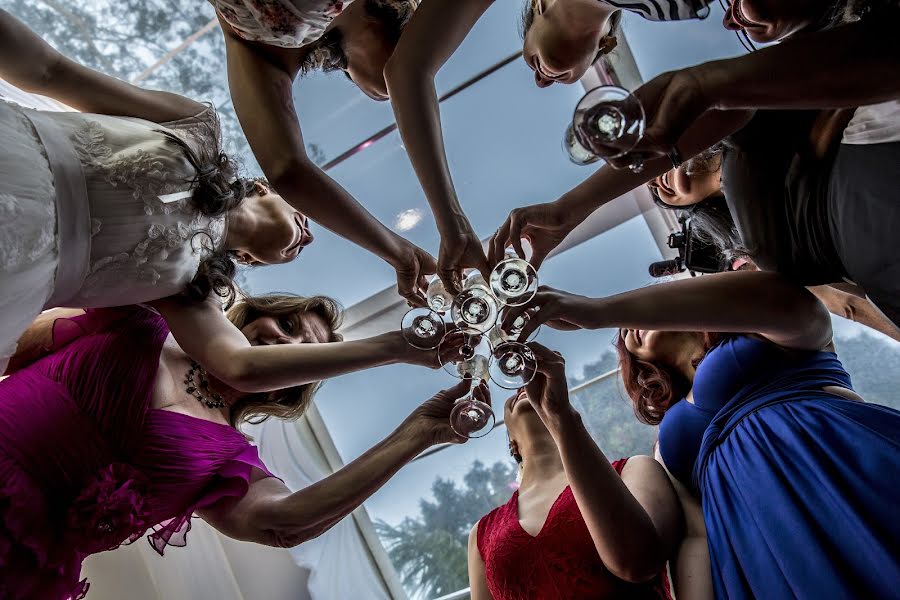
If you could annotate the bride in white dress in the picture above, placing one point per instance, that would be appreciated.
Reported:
(131, 201)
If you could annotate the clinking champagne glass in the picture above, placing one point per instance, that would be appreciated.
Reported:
(463, 353)
(513, 365)
(499, 334)
(608, 123)
(474, 309)
(472, 418)
(514, 281)
(423, 328)
(437, 296)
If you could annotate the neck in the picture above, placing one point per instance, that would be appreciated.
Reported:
(541, 461)
(242, 225)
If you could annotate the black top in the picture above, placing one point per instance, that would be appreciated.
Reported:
(777, 194)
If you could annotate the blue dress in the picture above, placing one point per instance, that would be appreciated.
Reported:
(800, 488)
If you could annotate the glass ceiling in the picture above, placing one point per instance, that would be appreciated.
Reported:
(503, 144)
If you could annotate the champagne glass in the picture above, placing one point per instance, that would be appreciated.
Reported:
(472, 418)
(437, 296)
(514, 281)
(608, 122)
(498, 334)
(423, 328)
(513, 365)
(474, 309)
(464, 353)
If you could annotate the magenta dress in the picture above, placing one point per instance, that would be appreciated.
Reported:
(86, 465)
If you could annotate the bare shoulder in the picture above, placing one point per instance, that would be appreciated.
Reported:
(643, 468)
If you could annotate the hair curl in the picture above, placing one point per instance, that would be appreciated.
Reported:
(217, 189)
(288, 403)
(654, 388)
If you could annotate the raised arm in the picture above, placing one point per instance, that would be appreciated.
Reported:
(207, 336)
(262, 92)
(269, 514)
(755, 302)
(31, 64)
(845, 67)
(634, 520)
(433, 34)
(545, 226)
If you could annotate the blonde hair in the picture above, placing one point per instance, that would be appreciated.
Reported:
(288, 403)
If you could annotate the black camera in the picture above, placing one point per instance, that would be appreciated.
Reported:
(694, 254)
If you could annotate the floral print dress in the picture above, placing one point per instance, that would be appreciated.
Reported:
(285, 23)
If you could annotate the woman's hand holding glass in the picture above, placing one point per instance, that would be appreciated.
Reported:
(460, 250)
(548, 390)
(558, 309)
(544, 226)
(430, 423)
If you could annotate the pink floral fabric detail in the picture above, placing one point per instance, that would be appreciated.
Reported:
(285, 23)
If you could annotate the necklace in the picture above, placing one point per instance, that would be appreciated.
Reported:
(200, 389)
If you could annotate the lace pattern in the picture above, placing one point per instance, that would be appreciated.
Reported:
(174, 230)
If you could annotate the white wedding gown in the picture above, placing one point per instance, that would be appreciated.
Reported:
(81, 219)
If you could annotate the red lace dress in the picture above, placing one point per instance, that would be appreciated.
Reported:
(560, 562)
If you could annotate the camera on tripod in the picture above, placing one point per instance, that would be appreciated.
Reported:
(694, 254)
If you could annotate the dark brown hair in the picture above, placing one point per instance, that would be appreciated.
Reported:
(288, 403)
(217, 189)
(653, 388)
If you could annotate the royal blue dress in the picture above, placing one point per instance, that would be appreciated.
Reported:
(800, 488)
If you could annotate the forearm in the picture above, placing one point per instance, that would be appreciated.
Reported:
(848, 66)
(266, 368)
(417, 111)
(607, 183)
(309, 190)
(311, 511)
(740, 302)
(623, 533)
(855, 308)
(26, 60)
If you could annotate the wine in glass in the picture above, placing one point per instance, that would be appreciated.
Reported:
(423, 328)
(608, 123)
(514, 281)
(437, 296)
(513, 365)
(472, 418)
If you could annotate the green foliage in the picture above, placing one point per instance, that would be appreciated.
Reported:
(429, 551)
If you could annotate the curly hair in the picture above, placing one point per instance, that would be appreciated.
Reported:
(217, 189)
(654, 388)
(288, 403)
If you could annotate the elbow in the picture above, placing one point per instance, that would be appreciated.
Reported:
(816, 321)
(640, 569)
(402, 68)
(238, 372)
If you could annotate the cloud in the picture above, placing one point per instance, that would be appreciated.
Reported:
(407, 219)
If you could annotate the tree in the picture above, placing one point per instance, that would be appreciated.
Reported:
(429, 550)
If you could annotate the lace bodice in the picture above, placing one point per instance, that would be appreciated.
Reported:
(142, 247)
(285, 23)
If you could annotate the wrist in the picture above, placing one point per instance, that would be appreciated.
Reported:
(452, 221)
(409, 439)
(574, 207)
(561, 422)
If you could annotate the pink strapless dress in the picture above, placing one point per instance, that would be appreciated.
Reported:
(86, 465)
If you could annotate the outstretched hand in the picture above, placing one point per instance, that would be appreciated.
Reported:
(413, 265)
(430, 422)
(544, 226)
(558, 309)
(548, 390)
(672, 102)
(460, 250)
